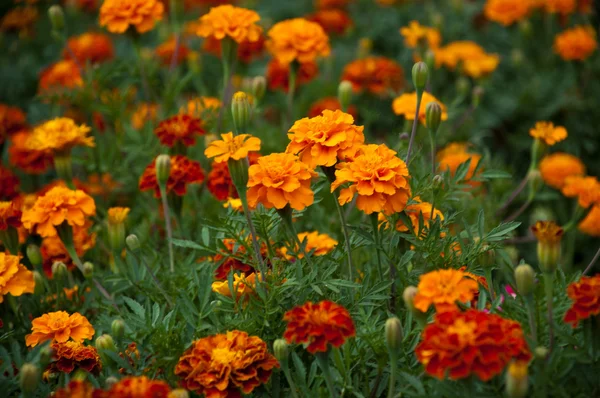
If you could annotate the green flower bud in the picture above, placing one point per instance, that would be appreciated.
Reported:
(477, 93)
(110, 381)
(420, 75)
(433, 116)
(163, 169)
(118, 328)
(281, 350)
(393, 335)
(240, 109)
(517, 57)
(438, 180)
(59, 270)
(525, 27)
(524, 277)
(409, 297)
(133, 243)
(259, 87)
(39, 283)
(516, 380)
(541, 353)
(105, 342)
(57, 17)
(34, 255)
(88, 269)
(29, 377)
(345, 94)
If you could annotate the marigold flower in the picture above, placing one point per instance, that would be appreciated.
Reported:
(246, 50)
(62, 75)
(280, 179)
(377, 75)
(219, 182)
(576, 44)
(443, 288)
(10, 214)
(590, 225)
(179, 128)
(71, 355)
(585, 294)
(234, 203)
(59, 135)
(242, 285)
(332, 20)
(455, 154)
(119, 15)
(326, 139)
(230, 260)
(12, 119)
(332, 104)
(555, 168)
(460, 344)
(475, 61)
(92, 47)
(117, 215)
(548, 133)
(58, 205)
(278, 74)
(318, 325)
(143, 114)
(239, 24)
(137, 387)
(183, 172)
(225, 365)
(31, 161)
(378, 176)
(9, 184)
(564, 7)
(76, 389)
(97, 184)
(15, 278)
(481, 66)
(202, 107)
(232, 147)
(506, 12)
(415, 212)
(59, 327)
(320, 243)
(406, 106)
(328, 4)
(166, 51)
(585, 189)
(20, 20)
(547, 232)
(297, 40)
(416, 35)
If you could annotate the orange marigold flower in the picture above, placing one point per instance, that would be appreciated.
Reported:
(415, 212)
(179, 128)
(62, 75)
(297, 40)
(506, 12)
(555, 168)
(31, 161)
(576, 44)
(143, 114)
(15, 278)
(20, 20)
(76, 389)
(246, 50)
(184, 171)
(92, 47)
(320, 243)
(59, 327)
(406, 106)
(455, 154)
(378, 176)
(280, 179)
(71, 355)
(59, 135)
(10, 214)
(564, 7)
(481, 66)
(460, 344)
(475, 61)
(202, 107)
(232, 147)
(166, 51)
(119, 15)
(326, 139)
(590, 225)
(137, 387)
(333, 20)
(443, 288)
(377, 75)
(585, 294)
(225, 365)
(236, 23)
(97, 184)
(416, 35)
(278, 74)
(548, 133)
(585, 189)
(9, 184)
(547, 232)
(332, 104)
(58, 205)
(12, 119)
(318, 325)
(242, 285)
(118, 215)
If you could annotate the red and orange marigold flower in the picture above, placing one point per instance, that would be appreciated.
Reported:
(59, 135)
(179, 128)
(59, 327)
(585, 295)
(318, 325)
(232, 147)
(10, 214)
(219, 182)
(297, 40)
(12, 119)
(89, 47)
(377, 75)
(76, 388)
(9, 184)
(460, 344)
(576, 44)
(548, 133)
(333, 20)
(57, 77)
(136, 387)
(555, 168)
(585, 189)
(183, 172)
(443, 288)
(31, 161)
(72, 355)
(227, 21)
(15, 278)
(225, 365)
(119, 15)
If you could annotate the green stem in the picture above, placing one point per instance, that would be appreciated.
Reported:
(393, 371)
(591, 264)
(165, 203)
(154, 278)
(323, 360)
(531, 315)
(432, 142)
(375, 224)
(254, 236)
(549, 287)
(488, 277)
(414, 126)
(288, 377)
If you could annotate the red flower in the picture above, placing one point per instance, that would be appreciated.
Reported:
(183, 172)
(9, 184)
(586, 299)
(229, 261)
(180, 128)
(318, 325)
(72, 355)
(219, 181)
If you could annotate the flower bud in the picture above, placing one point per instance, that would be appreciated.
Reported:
(549, 236)
(463, 85)
(34, 255)
(525, 27)
(29, 377)
(429, 59)
(524, 277)
(541, 353)
(39, 283)
(487, 256)
(105, 342)
(516, 379)
(433, 116)
(133, 243)
(118, 328)
(438, 180)
(259, 87)
(345, 94)
(393, 335)
(179, 393)
(163, 169)
(420, 75)
(110, 381)
(88, 269)
(57, 17)
(240, 109)
(404, 136)
(535, 182)
(517, 57)
(281, 350)
(59, 270)
(409, 297)
(477, 93)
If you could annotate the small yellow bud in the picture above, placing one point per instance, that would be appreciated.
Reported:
(29, 377)
(240, 109)
(105, 342)
(393, 335)
(420, 75)
(524, 277)
(179, 393)
(110, 381)
(409, 297)
(59, 270)
(541, 353)
(163, 169)
(88, 269)
(516, 379)
(438, 180)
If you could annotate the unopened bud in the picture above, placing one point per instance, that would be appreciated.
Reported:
(281, 350)
(525, 27)
(163, 169)
(38, 279)
(404, 136)
(59, 270)
(110, 381)
(34, 255)
(524, 277)
(88, 269)
(516, 379)
(535, 182)
(105, 342)
(179, 393)
(393, 335)
(240, 109)
(259, 87)
(29, 377)
(438, 180)
(429, 59)
(487, 256)
(517, 57)
(118, 328)
(541, 353)
(419, 75)
(549, 236)
(345, 94)
(409, 298)
(463, 85)
(478, 92)
(133, 243)
(433, 116)
(57, 17)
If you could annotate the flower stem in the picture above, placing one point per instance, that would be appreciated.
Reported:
(414, 126)
(291, 92)
(591, 264)
(549, 286)
(531, 315)
(165, 203)
(323, 360)
(288, 377)
(393, 371)
(154, 278)
(375, 224)
(432, 142)
(253, 234)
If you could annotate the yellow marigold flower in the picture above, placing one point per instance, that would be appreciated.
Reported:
(415, 35)
(117, 215)
(590, 225)
(59, 327)
(232, 147)
(555, 168)
(59, 135)
(280, 179)
(406, 106)
(119, 15)
(15, 278)
(234, 204)
(475, 61)
(576, 44)
(564, 7)
(320, 243)
(585, 189)
(415, 212)
(506, 12)
(142, 114)
(201, 106)
(455, 154)
(237, 23)
(379, 178)
(548, 133)
(443, 288)
(297, 40)
(481, 66)
(547, 232)
(324, 140)
(242, 285)
(58, 205)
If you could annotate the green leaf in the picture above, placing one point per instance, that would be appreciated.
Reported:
(136, 307)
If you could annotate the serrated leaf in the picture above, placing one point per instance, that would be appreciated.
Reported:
(136, 307)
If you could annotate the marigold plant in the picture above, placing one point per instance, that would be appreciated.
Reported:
(183, 172)
(443, 289)
(297, 40)
(232, 147)
(119, 15)
(585, 295)
(59, 327)
(236, 23)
